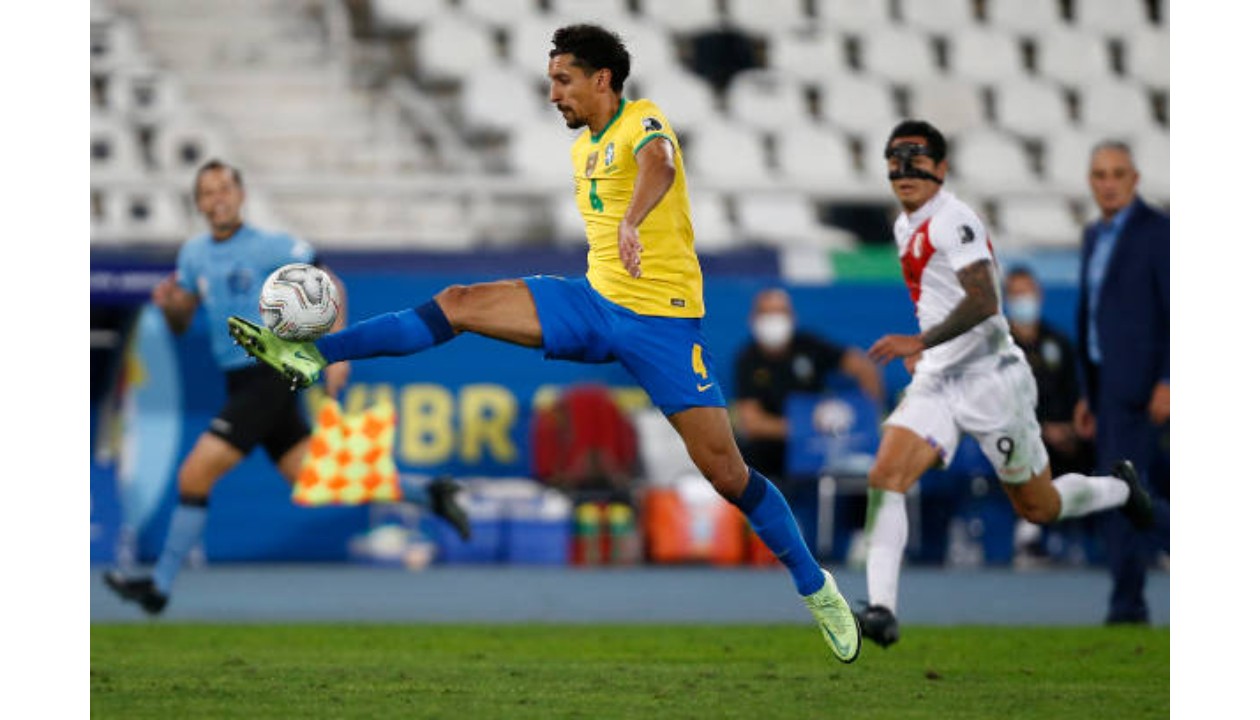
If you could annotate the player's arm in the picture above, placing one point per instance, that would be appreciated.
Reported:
(177, 304)
(865, 373)
(979, 302)
(655, 177)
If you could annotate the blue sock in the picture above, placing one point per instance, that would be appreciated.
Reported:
(188, 523)
(401, 333)
(771, 517)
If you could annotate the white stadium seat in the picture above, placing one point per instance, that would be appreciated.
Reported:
(1065, 160)
(1030, 107)
(1117, 108)
(116, 151)
(816, 159)
(1111, 17)
(898, 55)
(182, 144)
(984, 56)
(723, 155)
(938, 16)
(759, 17)
(499, 13)
(152, 215)
(1072, 58)
(685, 98)
(988, 162)
(813, 55)
(406, 14)
(953, 106)
(767, 100)
(682, 16)
(858, 104)
(496, 97)
(1038, 221)
(450, 47)
(1153, 159)
(787, 220)
(851, 15)
(539, 152)
(1147, 57)
(711, 222)
(1024, 17)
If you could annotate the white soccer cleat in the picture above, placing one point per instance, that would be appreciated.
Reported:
(837, 622)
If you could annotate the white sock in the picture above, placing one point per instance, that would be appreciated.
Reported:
(1082, 494)
(887, 530)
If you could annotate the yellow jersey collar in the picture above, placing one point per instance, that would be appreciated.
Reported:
(617, 115)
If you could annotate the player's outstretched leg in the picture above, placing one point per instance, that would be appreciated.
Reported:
(1139, 508)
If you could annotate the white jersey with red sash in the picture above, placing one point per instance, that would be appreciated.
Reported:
(935, 242)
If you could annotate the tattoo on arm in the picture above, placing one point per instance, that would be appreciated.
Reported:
(979, 303)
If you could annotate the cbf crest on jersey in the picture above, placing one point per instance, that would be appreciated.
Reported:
(609, 152)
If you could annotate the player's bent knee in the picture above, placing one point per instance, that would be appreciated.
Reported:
(1039, 513)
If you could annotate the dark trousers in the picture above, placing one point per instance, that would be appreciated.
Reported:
(1126, 432)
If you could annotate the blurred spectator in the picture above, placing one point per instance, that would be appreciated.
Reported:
(1052, 356)
(781, 360)
(1123, 326)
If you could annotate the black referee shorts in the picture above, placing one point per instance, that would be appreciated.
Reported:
(260, 408)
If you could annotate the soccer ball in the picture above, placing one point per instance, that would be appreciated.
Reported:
(299, 302)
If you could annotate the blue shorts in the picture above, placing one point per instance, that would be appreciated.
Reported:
(667, 356)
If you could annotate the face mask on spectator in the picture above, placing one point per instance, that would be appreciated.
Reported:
(773, 330)
(1023, 309)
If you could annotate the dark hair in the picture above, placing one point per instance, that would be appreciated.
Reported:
(215, 164)
(593, 49)
(1021, 271)
(937, 147)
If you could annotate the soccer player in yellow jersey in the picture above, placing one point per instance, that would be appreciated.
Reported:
(640, 303)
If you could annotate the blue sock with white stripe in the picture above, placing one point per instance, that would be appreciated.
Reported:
(772, 519)
(393, 334)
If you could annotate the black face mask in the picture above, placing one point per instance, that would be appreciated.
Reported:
(905, 155)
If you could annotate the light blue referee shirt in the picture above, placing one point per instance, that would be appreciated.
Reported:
(227, 275)
(1104, 244)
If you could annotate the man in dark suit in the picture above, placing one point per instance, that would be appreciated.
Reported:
(1123, 338)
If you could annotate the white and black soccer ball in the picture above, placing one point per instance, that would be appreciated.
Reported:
(299, 302)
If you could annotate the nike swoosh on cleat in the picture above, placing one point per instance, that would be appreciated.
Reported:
(843, 648)
(702, 388)
(302, 356)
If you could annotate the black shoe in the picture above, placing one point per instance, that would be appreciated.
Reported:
(879, 624)
(1139, 508)
(139, 590)
(442, 492)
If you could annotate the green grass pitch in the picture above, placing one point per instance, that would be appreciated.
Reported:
(162, 670)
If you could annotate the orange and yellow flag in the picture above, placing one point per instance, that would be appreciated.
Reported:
(351, 458)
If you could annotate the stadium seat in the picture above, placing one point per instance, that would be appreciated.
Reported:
(758, 17)
(116, 152)
(1071, 58)
(609, 13)
(990, 162)
(405, 15)
(682, 16)
(858, 104)
(1030, 107)
(722, 155)
(1146, 58)
(1116, 18)
(450, 47)
(1024, 17)
(685, 98)
(853, 15)
(953, 106)
(496, 97)
(539, 152)
(500, 13)
(711, 222)
(897, 54)
(817, 160)
(115, 42)
(1115, 107)
(652, 51)
(569, 228)
(1152, 157)
(811, 56)
(1037, 222)
(767, 100)
(984, 56)
(787, 220)
(145, 93)
(149, 215)
(938, 16)
(1065, 161)
(181, 144)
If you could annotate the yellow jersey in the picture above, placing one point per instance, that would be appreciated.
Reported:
(604, 174)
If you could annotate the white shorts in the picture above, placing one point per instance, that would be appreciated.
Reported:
(998, 408)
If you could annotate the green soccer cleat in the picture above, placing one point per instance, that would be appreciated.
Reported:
(298, 361)
(838, 624)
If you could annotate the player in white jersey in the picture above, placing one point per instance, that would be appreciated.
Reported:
(969, 376)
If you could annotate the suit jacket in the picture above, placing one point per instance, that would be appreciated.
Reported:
(1132, 316)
